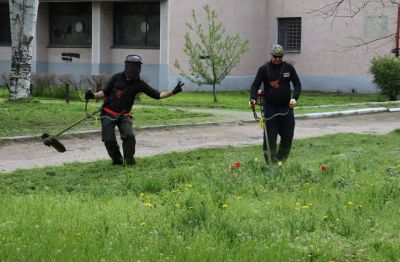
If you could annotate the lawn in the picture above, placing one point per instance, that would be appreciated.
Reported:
(194, 206)
(36, 116)
(239, 100)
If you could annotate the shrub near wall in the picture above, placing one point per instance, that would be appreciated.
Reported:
(46, 85)
(386, 72)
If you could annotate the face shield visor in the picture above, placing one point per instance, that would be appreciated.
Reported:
(133, 66)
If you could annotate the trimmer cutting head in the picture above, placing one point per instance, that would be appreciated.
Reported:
(54, 142)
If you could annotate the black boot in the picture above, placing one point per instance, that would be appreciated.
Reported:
(113, 151)
(128, 146)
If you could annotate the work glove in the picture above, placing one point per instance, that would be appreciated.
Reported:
(292, 103)
(178, 88)
(89, 95)
(252, 104)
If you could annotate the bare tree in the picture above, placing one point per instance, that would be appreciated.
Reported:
(23, 16)
(351, 8)
(95, 82)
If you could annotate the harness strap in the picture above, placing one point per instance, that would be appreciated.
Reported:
(111, 112)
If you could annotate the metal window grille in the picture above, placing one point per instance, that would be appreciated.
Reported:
(289, 33)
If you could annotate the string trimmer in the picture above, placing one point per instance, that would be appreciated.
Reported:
(262, 121)
(54, 142)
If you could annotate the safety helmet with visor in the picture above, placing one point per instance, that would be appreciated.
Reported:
(133, 66)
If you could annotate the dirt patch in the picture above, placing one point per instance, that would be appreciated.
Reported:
(151, 142)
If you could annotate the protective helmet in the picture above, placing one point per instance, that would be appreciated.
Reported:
(277, 50)
(133, 59)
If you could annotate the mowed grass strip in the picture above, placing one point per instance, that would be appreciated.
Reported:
(239, 99)
(212, 205)
(34, 117)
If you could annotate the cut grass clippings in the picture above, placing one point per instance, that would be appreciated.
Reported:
(212, 205)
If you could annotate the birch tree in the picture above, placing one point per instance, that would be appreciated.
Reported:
(23, 16)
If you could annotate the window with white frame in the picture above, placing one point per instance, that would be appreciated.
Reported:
(70, 24)
(137, 25)
(5, 32)
(289, 33)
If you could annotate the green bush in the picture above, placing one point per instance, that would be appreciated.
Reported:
(386, 75)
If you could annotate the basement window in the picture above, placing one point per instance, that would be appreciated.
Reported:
(289, 33)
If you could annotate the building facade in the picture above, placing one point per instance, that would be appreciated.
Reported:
(84, 38)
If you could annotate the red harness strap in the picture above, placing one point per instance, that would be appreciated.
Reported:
(111, 112)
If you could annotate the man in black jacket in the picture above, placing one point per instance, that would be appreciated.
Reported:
(276, 76)
(119, 94)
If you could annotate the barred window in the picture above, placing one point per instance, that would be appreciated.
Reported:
(5, 32)
(137, 25)
(71, 24)
(289, 33)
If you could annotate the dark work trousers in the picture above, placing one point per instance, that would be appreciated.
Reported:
(124, 123)
(282, 125)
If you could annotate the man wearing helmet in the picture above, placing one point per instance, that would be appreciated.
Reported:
(276, 76)
(119, 94)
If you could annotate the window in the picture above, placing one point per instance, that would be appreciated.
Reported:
(5, 31)
(137, 25)
(71, 24)
(289, 33)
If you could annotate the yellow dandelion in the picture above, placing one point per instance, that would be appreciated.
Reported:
(298, 204)
(177, 205)
(175, 190)
(141, 195)
(142, 223)
(306, 206)
(148, 204)
(325, 217)
(349, 203)
(188, 185)
(224, 206)
(280, 163)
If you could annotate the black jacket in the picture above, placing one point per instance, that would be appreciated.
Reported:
(120, 92)
(284, 73)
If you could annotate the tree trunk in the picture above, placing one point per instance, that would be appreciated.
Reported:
(215, 95)
(23, 16)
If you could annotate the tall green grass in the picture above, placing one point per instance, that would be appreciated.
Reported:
(192, 207)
